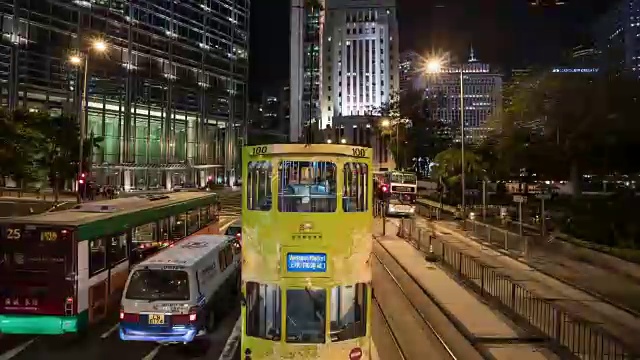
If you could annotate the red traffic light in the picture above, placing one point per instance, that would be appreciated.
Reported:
(81, 181)
(385, 188)
(83, 175)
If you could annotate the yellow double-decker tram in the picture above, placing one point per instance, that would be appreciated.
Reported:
(307, 242)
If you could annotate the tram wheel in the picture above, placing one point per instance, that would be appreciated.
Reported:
(211, 321)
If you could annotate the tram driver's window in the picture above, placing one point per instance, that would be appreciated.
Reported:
(348, 312)
(306, 315)
(354, 197)
(259, 175)
(307, 186)
(263, 311)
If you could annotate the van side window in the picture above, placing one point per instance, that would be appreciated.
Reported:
(222, 259)
(228, 254)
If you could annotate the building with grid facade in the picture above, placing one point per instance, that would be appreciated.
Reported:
(168, 94)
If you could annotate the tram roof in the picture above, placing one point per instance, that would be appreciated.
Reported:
(322, 149)
(100, 210)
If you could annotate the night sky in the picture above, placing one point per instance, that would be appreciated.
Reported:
(506, 33)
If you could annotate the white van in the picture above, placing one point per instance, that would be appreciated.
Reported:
(171, 297)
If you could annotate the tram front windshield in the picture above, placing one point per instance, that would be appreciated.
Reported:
(306, 314)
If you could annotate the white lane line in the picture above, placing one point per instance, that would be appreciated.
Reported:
(16, 350)
(110, 331)
(152, 354)
(228, 223)
(233, 341)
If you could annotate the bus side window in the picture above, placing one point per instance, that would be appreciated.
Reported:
(355, 195)
(97, 256)
(117, 249)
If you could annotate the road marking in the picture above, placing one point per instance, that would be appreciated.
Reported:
(150, 355)
(110, 331)
(233, 341)
(16, 350)
(228, 223)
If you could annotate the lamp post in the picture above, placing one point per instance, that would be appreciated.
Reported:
(83, 60)
(435, 67)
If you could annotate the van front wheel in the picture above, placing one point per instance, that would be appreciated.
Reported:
(211, 321)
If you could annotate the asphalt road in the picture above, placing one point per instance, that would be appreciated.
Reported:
(103, 341)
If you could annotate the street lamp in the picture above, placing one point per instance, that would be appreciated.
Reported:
(99, 46)
(434, 66)
(386, 123)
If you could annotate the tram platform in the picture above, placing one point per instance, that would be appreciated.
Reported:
(494, 332)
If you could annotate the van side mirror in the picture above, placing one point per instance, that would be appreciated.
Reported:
(243, 300)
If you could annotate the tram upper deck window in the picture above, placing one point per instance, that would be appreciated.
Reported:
(356, 188)
(306, 314)
(307, 186)
(259, 175)
(263, 311)
(348, 312)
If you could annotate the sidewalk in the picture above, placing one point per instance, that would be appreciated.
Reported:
(614, 320)
(483, 324)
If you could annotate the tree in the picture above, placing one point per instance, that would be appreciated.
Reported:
(61, 149)
(448, 168)
(19, 144)
(564, 125)
(414, 131)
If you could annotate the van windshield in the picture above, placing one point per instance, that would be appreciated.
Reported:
(152, 285)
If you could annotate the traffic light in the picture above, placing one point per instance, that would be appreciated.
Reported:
(82, 178)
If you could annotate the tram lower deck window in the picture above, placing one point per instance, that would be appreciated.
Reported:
(348, 312)
(263, 311)
(306, 314)
(307, 186)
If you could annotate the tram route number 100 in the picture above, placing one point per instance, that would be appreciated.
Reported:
(259, 150)
(359, 152)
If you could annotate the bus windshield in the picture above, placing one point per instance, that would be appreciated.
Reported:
(32, 249)
(152, 285)
(404, 178)
(306, 313)
(35, 265)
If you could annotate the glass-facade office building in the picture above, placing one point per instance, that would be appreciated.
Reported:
(168, 94)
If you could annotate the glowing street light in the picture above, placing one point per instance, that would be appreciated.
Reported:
(385, 123)
(329, 141)
(343, 141)
(434, 66)
(75, 60)
(99, 46)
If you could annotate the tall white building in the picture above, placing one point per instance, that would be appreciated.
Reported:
(359, 57)
(482, 96)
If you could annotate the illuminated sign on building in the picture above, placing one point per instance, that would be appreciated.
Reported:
(575, 70)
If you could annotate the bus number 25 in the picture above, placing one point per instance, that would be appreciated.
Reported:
(259, 150)
(357, 152)
(13, 234)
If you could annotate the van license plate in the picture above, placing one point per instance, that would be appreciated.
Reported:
(156, 319)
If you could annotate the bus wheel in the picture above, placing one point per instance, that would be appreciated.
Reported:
(211, 321)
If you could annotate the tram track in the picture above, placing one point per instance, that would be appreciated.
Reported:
(392, 335)
(437, 343)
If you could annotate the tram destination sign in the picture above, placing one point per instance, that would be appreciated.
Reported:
(306, 262)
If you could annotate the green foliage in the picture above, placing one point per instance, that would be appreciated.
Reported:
(560, 126)
(413, 132)
(33, 141)
(448, 167)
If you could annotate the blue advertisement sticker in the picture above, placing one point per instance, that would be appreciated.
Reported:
(306, 262)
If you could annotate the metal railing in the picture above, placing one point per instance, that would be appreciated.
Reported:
(584, 339)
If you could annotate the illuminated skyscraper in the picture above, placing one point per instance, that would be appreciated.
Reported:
(168, 94)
